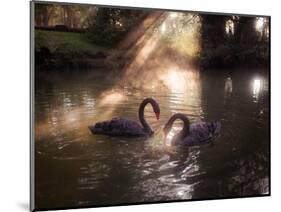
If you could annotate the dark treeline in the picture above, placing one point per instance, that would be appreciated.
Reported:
(225, 40)
(229, 40)
(111, 25)
(72, 16)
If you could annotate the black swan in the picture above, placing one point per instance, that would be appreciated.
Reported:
(126, 127)
(192, 134)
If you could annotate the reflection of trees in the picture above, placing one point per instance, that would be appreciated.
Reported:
(238, 165)
(252, 176)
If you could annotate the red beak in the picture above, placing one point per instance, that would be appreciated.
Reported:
(157, 115)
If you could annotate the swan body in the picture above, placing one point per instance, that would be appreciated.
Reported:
(118, 127)
(192, 134)
(126, 127)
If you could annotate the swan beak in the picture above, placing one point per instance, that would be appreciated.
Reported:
(157, 116)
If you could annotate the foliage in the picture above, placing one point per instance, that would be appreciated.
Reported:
(110, 25)
(213, 40)
(74, 16)
(245, 46)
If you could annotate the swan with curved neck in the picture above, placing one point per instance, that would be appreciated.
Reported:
(192, 134)
(126, 127)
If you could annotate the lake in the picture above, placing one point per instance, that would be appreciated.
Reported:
(75, 168)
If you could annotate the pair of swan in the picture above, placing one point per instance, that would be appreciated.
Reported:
(190, 135)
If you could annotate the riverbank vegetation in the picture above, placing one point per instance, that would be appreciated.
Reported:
(70, 50)
(83, 36)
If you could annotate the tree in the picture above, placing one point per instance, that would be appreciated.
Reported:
(109, 25)
(43, 12)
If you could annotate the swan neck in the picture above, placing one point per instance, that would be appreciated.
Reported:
(186, 124)
(144, 123)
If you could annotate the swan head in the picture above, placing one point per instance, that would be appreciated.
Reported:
(157, 114)
(156, 108)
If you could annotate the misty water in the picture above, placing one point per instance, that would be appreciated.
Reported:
(76, 168)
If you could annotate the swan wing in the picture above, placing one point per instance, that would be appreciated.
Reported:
(118, 127)
(202, 133)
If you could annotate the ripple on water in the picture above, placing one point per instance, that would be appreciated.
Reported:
(64, 112)
(168, 165)
(92, 175)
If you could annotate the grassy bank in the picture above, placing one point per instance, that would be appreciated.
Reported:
(67, 42)
(69, 49)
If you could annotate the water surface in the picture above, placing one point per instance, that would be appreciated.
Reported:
(76, 168)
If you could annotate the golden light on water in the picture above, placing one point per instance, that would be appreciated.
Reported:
(163, 27)
(61, 121)
(111, 98)
(185, 84)
(170, 135)
(71, 116)
(173, 15)
(174, 80)
(180, 81)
